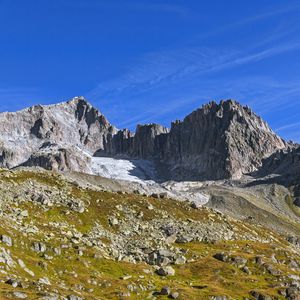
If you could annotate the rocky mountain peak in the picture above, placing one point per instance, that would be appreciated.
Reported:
(217, 141)
(77, 100)
(222, 140)
(74, 125)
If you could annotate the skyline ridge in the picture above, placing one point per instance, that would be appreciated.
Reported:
(168, 126)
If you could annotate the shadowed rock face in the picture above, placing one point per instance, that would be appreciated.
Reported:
(285, 164)
(146, 143)
(217, 141)
(53, 157)
(222, 140)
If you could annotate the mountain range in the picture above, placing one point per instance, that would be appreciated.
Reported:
(217, 141)
(206, 209)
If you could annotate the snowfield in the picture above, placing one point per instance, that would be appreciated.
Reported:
(142, 174)
(131, 170)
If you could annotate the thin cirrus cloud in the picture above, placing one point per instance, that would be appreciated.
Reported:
(166, 82)
(155, 68)
(288, 126)
(171, 76)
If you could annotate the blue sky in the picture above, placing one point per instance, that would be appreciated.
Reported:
(153, 61)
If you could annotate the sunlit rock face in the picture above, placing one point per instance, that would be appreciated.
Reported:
(217, 141)
(71, 129)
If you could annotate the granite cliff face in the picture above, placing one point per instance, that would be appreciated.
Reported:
(147, 142)
(285, 162)
(223, 140)
(53, 136)
(217, 141)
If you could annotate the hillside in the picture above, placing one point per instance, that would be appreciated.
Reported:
(69, 239)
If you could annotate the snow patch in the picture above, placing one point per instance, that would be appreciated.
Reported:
(144, 174)
(135, 170)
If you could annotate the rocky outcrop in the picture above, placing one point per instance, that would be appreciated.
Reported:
(146, 143)
(53, 157)
(283, 167)
(285, 162)
(217, 141)
(224, 140)
(75, 126)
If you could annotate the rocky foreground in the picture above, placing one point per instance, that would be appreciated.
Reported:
(63, 238)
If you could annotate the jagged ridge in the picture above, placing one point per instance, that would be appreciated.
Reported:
(224, 140)
(44, 135)
(217, 141)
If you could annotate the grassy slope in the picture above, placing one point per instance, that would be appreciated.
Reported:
(203, 277)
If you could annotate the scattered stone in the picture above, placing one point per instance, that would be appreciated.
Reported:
(126, 277)
(44, 280)
(113, 221)
(20, 295)
(239, 261)
(13, 282)
(150, 207)
(246, 270)
(171, 239)
(184, 239)
(166, 271)
(73, 297)
(57, 250)
(165, 291)
(221, 256)
(6, 258)
(174, 295)
(163, 195)
(24, 213)
(195, 205)
(259, 296)
(50, 296)
(272, 270)
(125, 294)
(6, 240)
(292, 293)
(259, 260)
(181, 260)
(21, 263)
(39, 247)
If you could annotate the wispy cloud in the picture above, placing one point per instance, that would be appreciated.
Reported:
(273, 12)
(161, 71)
(163, 84)
(288, 126)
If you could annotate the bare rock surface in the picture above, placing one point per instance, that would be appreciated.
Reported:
(217, 141)
(69, 125)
